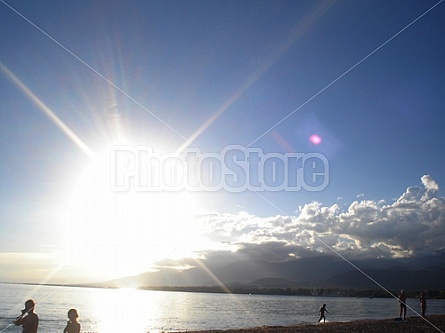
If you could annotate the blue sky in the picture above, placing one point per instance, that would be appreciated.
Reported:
(366, 77)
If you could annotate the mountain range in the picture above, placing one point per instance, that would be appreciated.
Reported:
(313, 272)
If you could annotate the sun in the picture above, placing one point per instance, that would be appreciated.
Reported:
(115, 234)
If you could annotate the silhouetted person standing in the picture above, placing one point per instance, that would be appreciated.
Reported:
(72, 326)
(322, 311)
(402, 301)
(28, 320)
(422, 300)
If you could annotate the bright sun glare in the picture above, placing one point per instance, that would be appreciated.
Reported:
(115, 234)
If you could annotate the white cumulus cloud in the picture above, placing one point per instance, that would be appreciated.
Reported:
(429, 183)
(414, 224)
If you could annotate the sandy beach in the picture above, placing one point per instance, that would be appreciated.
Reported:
(410, 325)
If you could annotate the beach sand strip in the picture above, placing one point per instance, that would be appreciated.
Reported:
(432, 324)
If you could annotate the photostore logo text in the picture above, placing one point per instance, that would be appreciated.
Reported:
(234, 169)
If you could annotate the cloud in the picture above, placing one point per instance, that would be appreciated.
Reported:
(414, 224)
(429, 183)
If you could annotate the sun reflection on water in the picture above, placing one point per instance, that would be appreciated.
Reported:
(124, 310)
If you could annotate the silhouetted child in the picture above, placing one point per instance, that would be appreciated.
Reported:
(322, 311)
(72, 326)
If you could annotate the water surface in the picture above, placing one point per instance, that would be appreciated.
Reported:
(134, 311)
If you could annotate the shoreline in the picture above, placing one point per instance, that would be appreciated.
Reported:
(433, 323)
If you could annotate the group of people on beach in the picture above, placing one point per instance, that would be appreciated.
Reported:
(29, 320)
(402, 301)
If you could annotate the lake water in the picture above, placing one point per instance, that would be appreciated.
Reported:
(137, 311)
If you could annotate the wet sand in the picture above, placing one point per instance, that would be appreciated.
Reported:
(410, 325)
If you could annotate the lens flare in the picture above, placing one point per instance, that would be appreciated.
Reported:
(315, 139)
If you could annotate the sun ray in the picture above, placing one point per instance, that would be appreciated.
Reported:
(299, 30)
(48, 112)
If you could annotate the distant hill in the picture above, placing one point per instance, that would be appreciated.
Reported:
(271, 283)
(392, 279)
(322, 271)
